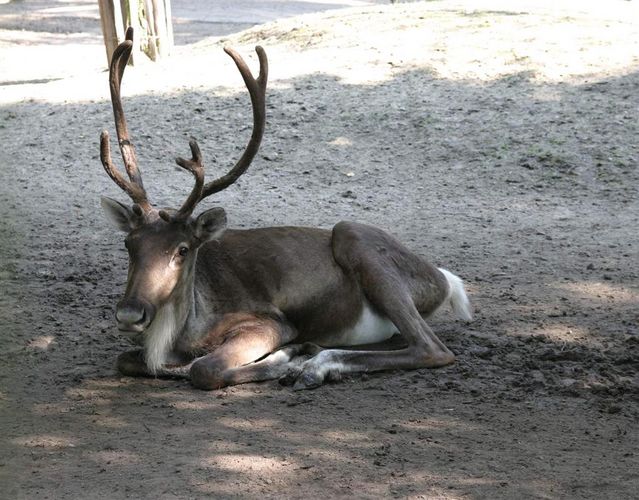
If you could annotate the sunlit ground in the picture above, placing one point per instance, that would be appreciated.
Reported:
(474, 42)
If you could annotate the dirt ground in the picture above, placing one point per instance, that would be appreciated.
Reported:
(499, 142)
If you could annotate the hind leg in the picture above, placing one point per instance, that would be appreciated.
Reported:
(400, 286)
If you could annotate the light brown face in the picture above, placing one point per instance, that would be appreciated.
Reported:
(160, 254)
(161, 259)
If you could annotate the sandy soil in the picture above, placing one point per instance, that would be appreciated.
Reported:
(499, 143)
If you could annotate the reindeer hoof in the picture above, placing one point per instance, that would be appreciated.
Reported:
(439, 360)
(288, 379)
(205, 377)
(291, 375)
(131, 364)
(308, 380)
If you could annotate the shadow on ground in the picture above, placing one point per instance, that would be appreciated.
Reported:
(530, 194)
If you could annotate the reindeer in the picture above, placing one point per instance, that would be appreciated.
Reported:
(222, 306)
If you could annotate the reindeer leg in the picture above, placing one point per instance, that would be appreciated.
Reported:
(424, 350)
(246, 338)
(332, 363)
(281, 364)
(395, 282)
(132, 364)
(245, 344)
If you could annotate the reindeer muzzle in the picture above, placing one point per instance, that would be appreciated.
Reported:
(134, 315)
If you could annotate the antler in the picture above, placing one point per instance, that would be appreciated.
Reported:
(194, 165)
(134, 188)
(257, 91)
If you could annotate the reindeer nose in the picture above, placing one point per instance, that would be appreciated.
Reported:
(132, 316)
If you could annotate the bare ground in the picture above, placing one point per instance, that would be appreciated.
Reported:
(499, 143)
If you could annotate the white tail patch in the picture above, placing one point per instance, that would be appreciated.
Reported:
(457, 297)
(160, 336)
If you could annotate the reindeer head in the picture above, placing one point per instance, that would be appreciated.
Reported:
(163, 244)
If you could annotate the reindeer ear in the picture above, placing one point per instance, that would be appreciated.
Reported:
(121, 216)
(210, 225)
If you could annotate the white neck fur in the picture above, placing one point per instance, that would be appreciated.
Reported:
(169, 321)
(159, 337)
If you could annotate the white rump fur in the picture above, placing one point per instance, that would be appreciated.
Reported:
(457, 297)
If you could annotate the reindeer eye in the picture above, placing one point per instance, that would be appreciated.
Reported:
(183, 250)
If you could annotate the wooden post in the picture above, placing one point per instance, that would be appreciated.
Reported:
(158, 26)
(159, 23)
(169, 25)
(131, 17)
(112, 25)
(151, 22)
